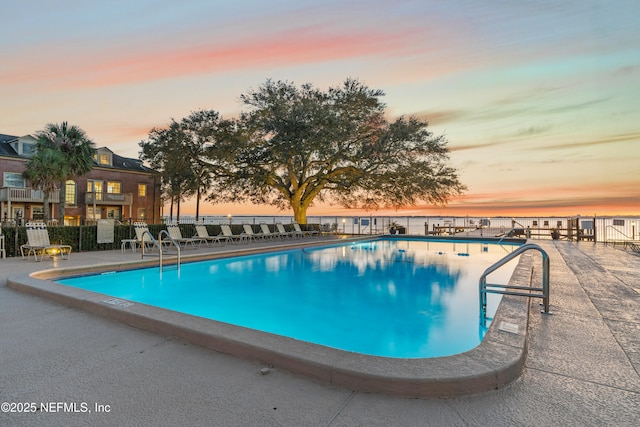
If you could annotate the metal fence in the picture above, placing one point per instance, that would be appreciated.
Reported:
(597, 229)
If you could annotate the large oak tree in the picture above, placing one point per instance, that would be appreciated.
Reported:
(296, 145)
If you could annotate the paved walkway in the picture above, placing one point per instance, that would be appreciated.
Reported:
(582, 369)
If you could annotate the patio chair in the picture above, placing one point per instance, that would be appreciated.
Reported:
(176, 235)
(329, 228)
(284, 233)
(267, 233)
(143, 236)
(226, 232)
(203, 234)
(38, 242)
(299, 230)
(249, 234)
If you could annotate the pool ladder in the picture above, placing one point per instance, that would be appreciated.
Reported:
(158, 244)
(525, 291)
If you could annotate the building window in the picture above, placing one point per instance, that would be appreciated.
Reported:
(70, 193)
(142, 190)
(103, 157)
(618, 222)
(535, 223)
(142, 213)
(37, 212)
(546, 223)
(113, 213)
(95, 187)
(13, 179)
(28, 149)
(559, 224)
(113, 187)
(93, 214)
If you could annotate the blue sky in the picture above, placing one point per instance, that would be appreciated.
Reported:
(537, 98)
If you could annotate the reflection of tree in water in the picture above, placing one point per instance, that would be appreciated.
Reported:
(405, 293)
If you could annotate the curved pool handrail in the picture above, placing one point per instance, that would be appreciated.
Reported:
(534, 292)
(173, 241)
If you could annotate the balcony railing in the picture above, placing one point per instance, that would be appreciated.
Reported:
(22, 194)
(102, 198)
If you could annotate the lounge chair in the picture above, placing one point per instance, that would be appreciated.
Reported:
(143, 236)
(38, 242)
(176, 235)
(284, 233)
(329, 228)
(266, 232)
(249, 234)
(226, 232)
(203, 234)
(299, 230)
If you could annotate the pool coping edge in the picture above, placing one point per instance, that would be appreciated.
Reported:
(496, 362)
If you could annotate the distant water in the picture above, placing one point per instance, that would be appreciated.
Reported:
(606, 228)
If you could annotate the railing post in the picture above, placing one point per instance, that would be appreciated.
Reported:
(545, 280)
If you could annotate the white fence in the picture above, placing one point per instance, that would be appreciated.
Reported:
(600, 229)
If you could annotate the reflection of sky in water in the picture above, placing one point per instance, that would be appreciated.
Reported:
(391, 298)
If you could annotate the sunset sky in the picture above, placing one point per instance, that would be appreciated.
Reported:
(538, 99)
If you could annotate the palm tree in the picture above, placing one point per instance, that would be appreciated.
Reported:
(77, 151)
(44, 170)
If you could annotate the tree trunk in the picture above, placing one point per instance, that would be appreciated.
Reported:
(61, 201)
(300, 214)
(178, 211)
(46, 206)
(198, 204)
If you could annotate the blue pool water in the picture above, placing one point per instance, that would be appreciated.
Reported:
(414, 298)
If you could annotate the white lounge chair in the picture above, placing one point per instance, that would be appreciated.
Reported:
(284, 233)
(299, 230)
(38, 243)
(176, 235)
(249, 234)
(203, 234)
(143, 236)
(266, 232)
(226, 232)
(329, 228)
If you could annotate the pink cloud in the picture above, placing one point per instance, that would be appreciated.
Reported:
(281, 49)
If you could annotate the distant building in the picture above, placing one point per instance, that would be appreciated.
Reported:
(118, 187)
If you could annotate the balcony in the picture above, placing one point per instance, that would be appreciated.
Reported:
(29, 195)
(101, 198)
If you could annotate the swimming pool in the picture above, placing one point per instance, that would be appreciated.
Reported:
(495, 362)
(413, 298)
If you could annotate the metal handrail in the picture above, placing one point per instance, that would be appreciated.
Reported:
(158, 244)
(153, 240)
(534, 292)
(176, 244)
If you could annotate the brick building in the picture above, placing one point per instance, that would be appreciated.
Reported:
(118, 187)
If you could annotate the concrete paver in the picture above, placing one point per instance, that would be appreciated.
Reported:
(582, 368)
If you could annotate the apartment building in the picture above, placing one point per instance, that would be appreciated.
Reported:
(118, 187)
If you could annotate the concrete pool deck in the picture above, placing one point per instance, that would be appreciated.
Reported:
(581, 369)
